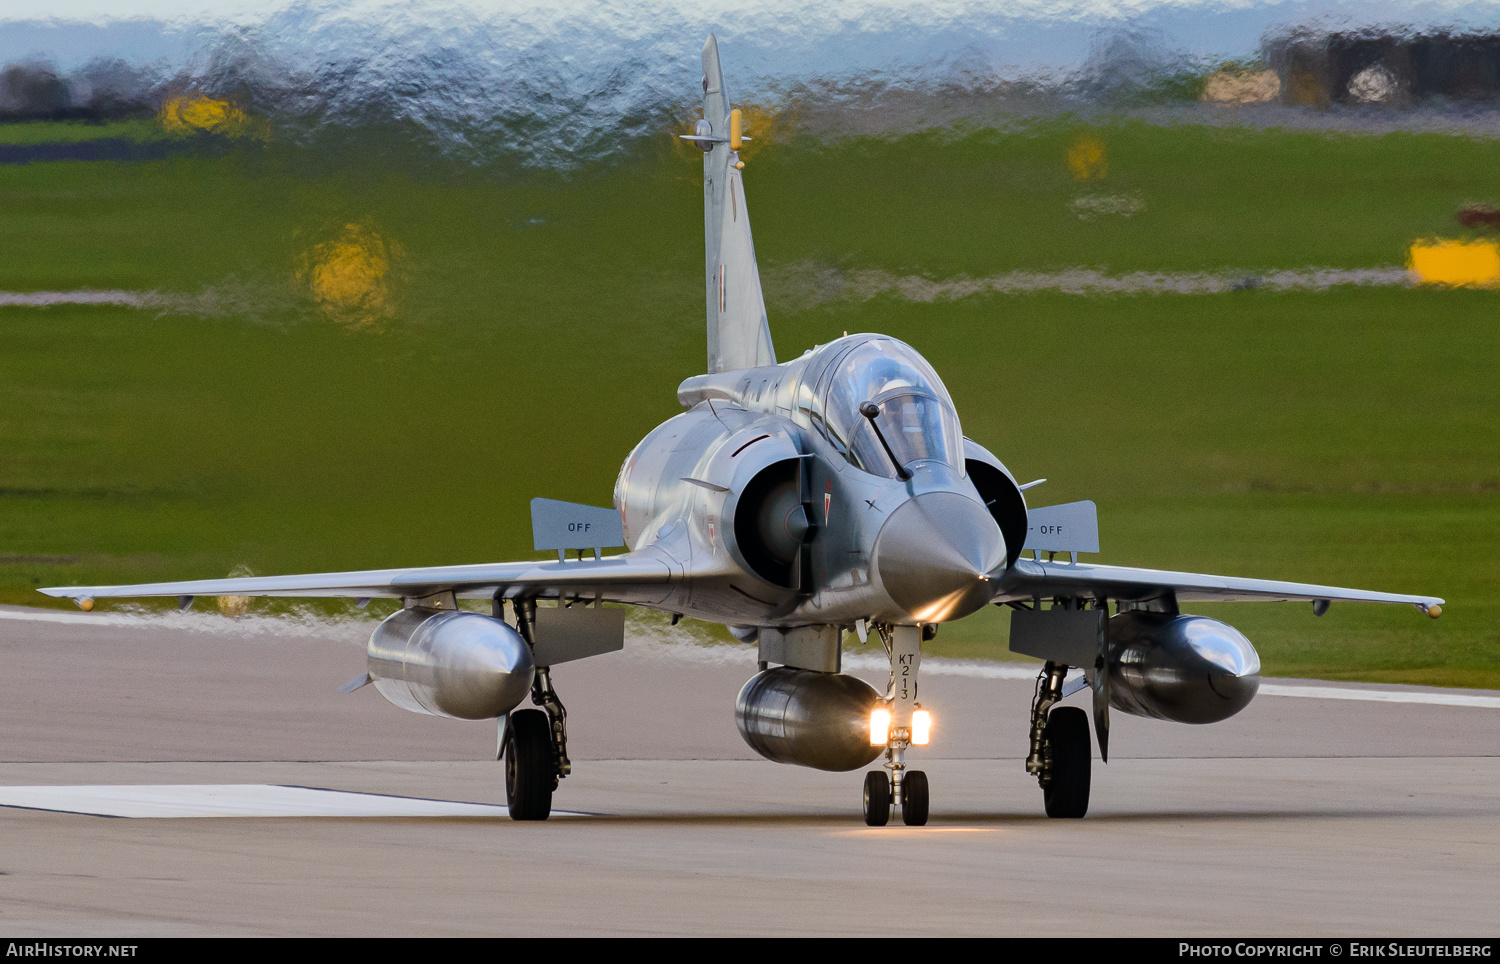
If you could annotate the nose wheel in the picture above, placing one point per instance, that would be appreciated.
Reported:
(879, 797)
(914, 799)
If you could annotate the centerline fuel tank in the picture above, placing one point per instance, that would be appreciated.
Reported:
(818, 720)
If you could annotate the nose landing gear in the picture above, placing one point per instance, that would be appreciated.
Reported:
(897, 785)
(879, 797)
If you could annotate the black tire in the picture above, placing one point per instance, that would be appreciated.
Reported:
(1067, 793)
(877, 798)
(914, 798)
(530, 773)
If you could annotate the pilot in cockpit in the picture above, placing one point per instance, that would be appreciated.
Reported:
(887, 411)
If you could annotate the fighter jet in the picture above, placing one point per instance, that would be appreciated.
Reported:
(795, 502)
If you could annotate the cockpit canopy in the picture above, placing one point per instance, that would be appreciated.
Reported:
(915, 413)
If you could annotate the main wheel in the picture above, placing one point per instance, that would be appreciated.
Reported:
(1067, 792)
(877, 798)
(530, 773)
(914, 799)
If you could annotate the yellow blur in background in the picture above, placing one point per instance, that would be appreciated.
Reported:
(348, 276)
(1086, 159)
(189, 114)
(236, 605)
(1455, 263)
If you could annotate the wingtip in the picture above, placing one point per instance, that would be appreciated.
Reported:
(83, 600)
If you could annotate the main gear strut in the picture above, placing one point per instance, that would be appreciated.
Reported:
(533, 743)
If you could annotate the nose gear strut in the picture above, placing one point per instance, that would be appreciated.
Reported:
(904, 788)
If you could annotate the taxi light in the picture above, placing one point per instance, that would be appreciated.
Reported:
(880, 727)
(921, 727)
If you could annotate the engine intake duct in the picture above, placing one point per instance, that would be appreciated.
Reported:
(462, 665)
(771, 523)
(818, 720)
(1188, 669)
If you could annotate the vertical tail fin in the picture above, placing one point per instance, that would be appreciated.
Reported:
(738, 334)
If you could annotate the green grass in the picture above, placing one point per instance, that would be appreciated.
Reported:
(541, 327)
(69, 132)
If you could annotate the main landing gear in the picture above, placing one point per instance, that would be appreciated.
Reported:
(1060, 748)
(906, 724)
(534, 746)
(530, 773)
(534, 743)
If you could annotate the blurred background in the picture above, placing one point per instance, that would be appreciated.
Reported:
(308, 286)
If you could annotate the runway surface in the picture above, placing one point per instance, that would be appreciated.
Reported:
(1308, 814)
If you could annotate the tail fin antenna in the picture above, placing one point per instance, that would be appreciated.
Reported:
(739, 335)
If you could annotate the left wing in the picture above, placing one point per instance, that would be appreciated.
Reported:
(1028, 579)
(638, 577)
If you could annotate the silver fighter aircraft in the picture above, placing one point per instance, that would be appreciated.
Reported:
(795, 502)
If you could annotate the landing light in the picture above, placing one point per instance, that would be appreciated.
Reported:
(880, 727)
(921, 728)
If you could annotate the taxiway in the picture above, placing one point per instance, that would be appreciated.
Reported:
(1371, 815)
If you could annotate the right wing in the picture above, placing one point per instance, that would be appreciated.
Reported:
(640, 577)
(1032, 580)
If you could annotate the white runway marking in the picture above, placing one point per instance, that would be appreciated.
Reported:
(1450, 698)
(303, 626)
(57, 616)
(236, 800)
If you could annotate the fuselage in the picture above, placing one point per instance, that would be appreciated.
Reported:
(784, 504)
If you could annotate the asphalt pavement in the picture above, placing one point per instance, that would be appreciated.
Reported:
(1322, 809)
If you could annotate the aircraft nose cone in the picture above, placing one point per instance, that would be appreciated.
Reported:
(934, 553)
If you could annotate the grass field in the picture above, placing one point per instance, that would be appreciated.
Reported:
(526, 332)
(72, 132)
